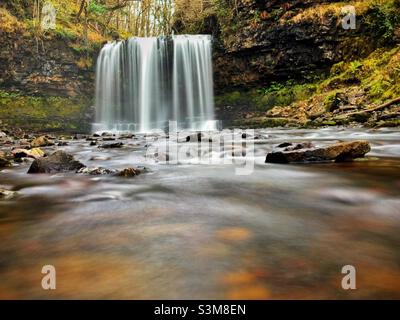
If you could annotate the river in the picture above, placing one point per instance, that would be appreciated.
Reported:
(200, 231)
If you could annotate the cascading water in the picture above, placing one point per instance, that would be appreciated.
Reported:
(143, 83)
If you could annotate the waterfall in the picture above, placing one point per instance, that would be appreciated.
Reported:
(143, 83)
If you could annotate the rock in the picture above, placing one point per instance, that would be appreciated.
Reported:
(4, 162)
(59, 161)
(339, 152)
(2, 134)
(93, 143)
(196, 137)
(284, 145)
(290, 146)
(96, 171)
(127, 136)
(111, 145)
(360, 116)
(63, 137)
(62, 144)
(7, 194)
(41, 141)
(34, 153)
(387, 116)
(109, 139)
(129, 172)
(99, 158)
(24, 143)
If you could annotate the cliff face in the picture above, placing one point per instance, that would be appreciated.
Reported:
(257, 42)
(283, 62)
(39, 62)
(43, 67)
(46, 77)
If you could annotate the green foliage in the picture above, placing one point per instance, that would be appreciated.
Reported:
(262, 99)
(65, 33)
(96, 8)
(381, 20)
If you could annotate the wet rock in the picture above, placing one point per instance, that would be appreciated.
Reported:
(2, 134)
(298, 146)
(109, 139)
(24, 143)
(63, 137)
(196, 137)
(34, 153)
(127, 136)
(59, 161)
(62, 144)
(339, 152)
(111, 145)
(99, 158)
(41, 141)
(284, 145)
(4, 161)
(129, 172)
(93, 143)
(96, 171)
(360, 116)
(387, 116)
(7, 194)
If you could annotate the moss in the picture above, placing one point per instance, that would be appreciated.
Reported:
(43, 113)
(381, 20)
(329, 123)
(388, 123)
(261, 122)
(263, 99)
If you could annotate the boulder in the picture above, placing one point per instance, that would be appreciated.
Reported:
(111, 145)
(34, 153)
(7, 194)
(41, 141)
(129, 172)
(59, 161)
(339, 152)
(4, 162)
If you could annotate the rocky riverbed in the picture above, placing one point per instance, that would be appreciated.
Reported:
(133, 216)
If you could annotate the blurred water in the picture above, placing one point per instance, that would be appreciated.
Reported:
(200, 231)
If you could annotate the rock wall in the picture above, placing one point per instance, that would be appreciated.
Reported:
(43, 66)
(257, 42)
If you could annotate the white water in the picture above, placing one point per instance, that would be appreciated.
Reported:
(143, 83)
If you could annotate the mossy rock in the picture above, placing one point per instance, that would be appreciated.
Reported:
(360, 117)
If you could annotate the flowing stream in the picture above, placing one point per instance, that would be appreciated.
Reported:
(201, 231)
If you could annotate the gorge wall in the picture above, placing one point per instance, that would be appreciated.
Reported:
(46, 77)
(257, 42)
